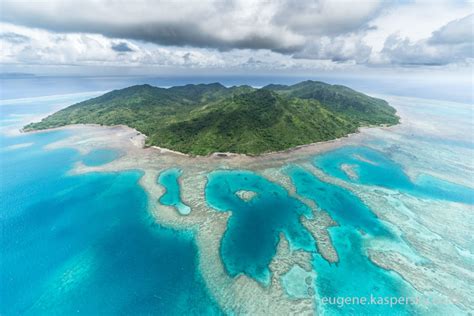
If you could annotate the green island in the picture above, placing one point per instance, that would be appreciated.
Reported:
(206, 118)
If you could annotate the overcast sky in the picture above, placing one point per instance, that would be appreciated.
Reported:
(233, 36)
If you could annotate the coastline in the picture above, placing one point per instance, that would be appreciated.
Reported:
(138, 139)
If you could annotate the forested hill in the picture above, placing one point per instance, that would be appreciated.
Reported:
(206, 118)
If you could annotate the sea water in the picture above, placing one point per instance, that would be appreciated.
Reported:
(343, 206)
(169, 179)
(250, 241)
(98, 157)
(87, 243)
(253, 230)
(354, 275)
(374, 168)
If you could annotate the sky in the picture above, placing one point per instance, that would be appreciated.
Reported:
(145, 37)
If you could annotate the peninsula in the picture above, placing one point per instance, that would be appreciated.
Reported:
(205, 118)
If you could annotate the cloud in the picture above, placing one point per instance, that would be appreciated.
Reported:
(455, 32)
(121, 47)
(452, 43)
(77, 49)
(284, 26)
(12, 37)
(326, 17)
(223, 25)
(337, 49)
(263, 35)
(402, 51)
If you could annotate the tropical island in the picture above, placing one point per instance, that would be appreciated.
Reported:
(206, 118)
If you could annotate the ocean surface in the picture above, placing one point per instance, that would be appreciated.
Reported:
(172, 197)
(373, 168)
(250, 241)
(88, 243)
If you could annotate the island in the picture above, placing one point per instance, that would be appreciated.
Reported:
(201, 119)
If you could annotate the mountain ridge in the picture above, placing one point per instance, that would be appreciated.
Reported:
(200, 119)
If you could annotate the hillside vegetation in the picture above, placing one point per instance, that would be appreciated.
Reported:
(206, 118)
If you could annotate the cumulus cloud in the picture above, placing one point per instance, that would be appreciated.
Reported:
(337, 49)
(216, 24)
(282, 34)
(326, 17)
(89, 50)
(282, 26)
(451, 43)
(455, 32)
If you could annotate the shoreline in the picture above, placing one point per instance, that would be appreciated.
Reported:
(316, 147)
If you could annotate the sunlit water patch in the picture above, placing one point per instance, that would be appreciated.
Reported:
(250, 240)
(371, 167)
(87, 244)
(172, 197)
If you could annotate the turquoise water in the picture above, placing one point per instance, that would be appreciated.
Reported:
(343, 206)
(250, 240)
(374, 168)
(99, 157)
(172, 196)
(354, 276)
(249, 243)
(87, 244)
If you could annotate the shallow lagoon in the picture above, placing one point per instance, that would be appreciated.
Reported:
(172, 197)
(252, 234)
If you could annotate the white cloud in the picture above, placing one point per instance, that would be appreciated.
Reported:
(415, 20)
(327, 17)
(452, 43)
(216, 24)
(282, 26)
(80, 49)
(455, 32)
(252, 35)
(338, 49)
